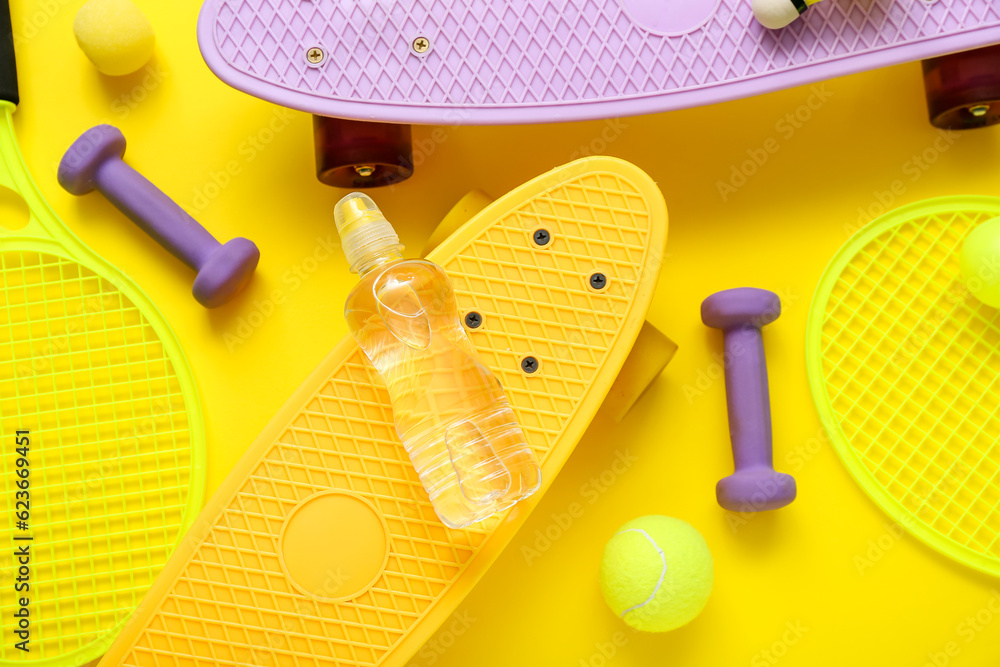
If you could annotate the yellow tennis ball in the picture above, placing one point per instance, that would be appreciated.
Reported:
(656, 573)
(115, 35)
(980, 262)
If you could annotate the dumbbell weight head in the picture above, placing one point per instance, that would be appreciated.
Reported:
(226, 272)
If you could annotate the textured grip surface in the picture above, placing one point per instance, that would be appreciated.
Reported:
(509, 61)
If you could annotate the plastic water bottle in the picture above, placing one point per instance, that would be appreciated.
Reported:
(450, 411)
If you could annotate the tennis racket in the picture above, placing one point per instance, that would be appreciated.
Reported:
(101, 434)
(904, 365)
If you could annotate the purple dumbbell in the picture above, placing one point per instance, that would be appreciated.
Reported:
(741, 314)
(94, 162)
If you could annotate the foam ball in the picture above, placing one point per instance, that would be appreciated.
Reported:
(980, 260)
(115, 35)
(656, 573)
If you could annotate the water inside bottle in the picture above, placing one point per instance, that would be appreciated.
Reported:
(450, 411)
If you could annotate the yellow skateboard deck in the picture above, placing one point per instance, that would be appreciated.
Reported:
(321, 548)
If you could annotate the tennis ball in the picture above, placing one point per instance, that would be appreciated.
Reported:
(980, 262)
(656, 573)
(115, 35)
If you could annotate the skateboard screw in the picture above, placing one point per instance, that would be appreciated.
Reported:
(364, 170)
(421, 45)
(315, 55)
(473, 320)
(979, 110)
(542, 237)
(529, 364)
(598, 281)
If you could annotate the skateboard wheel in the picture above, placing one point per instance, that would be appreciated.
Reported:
(963, 89)
(472, 203)
(651, 353)
(359, 154)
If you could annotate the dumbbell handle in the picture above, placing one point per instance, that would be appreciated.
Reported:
(749, 403)
(156, 213)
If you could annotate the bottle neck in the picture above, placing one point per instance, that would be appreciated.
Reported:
(377, 258)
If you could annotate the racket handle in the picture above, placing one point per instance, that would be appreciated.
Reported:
(8, 63)
(94, 162)
(741, 314)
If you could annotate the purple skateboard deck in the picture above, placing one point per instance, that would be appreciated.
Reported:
(533, 61)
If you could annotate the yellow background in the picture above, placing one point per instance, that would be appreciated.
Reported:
(829, 564)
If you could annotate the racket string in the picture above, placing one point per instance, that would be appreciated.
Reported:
(83, 369)
(936, 347)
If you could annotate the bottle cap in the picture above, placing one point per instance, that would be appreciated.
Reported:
(363, 229)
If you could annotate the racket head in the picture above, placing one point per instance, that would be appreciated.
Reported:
(904, 366)
(92, 371)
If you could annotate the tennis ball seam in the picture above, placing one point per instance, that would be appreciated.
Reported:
(663, 571)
